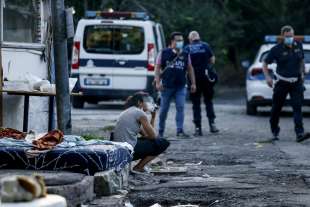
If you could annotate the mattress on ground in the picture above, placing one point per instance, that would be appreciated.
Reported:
(74, 154)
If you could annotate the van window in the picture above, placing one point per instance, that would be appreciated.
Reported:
(114, 39)
(22, 21)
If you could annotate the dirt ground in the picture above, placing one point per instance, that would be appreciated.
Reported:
(235, 167)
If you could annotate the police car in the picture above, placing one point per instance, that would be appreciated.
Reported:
(114, 55)
(257, 91)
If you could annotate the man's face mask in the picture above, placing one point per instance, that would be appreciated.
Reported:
(179, 45)
(288, 40)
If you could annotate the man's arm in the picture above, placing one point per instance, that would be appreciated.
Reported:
(212, 60)
(157, 72)
(148, 130)
(192, 77)
(302, 69)
(268, 60)
(267, 76)
(152, 122)
(302, 63)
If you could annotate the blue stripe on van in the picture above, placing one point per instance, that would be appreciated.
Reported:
(114, 63)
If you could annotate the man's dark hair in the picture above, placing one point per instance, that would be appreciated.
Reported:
(135, 99)
(286, 28)
(174, 34)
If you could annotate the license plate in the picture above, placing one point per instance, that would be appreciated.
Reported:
(97, 81)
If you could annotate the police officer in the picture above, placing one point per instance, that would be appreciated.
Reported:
(289, 57)
(172, 66)
(202, 58)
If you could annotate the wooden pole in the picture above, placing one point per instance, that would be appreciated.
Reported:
(1, 69)
(61, 66)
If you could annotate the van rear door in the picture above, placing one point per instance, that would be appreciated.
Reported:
(130, 52)
(97, 57)
(109, 52)
(160, 37)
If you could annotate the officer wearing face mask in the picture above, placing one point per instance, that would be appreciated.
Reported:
(172, 66)
(289, 57)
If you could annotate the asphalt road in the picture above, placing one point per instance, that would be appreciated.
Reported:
(236, 167)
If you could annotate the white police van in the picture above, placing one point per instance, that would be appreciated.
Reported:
(257, 91)
(114, 55)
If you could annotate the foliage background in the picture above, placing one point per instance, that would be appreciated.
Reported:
(234, 28)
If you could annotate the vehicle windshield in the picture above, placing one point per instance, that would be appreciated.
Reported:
(306, 54)
(114, 39)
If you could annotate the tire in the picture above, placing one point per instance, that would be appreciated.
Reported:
(92, 101)
(251, 109)
(77, 102)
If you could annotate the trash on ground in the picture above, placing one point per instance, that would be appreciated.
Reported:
(170, 162)
(193, 164)
(156, 205)
(170, 170)
(206, 175)
(128, 204)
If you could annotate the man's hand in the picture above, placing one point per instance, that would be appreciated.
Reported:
(193, 88)
(269, 82)
(153, 113)
(302, 77)
(159, 86)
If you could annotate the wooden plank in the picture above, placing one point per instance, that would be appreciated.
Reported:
(33, 93)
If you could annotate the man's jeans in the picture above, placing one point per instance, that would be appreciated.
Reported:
(166, 96)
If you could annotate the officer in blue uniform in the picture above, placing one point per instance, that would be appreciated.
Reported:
(172, 66)
(202, 59)
(289, 57)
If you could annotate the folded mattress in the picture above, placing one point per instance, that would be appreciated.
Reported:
(74, 154)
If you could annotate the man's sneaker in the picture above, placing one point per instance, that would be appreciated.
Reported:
(213, 128)
(160, 136)
(302, 137)
(275, 138)
(198, 132)
(182, 135)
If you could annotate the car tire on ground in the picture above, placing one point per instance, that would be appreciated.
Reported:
(251, 109)
(92, 101)
(77, 102)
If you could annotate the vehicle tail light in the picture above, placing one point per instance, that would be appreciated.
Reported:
(258, 98)
(256, 71)
(151, 57)
(75, 63)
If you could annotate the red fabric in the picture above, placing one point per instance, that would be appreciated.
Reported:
(12, 133)
(49, 140)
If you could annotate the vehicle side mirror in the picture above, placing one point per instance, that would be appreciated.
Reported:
(245, 64)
